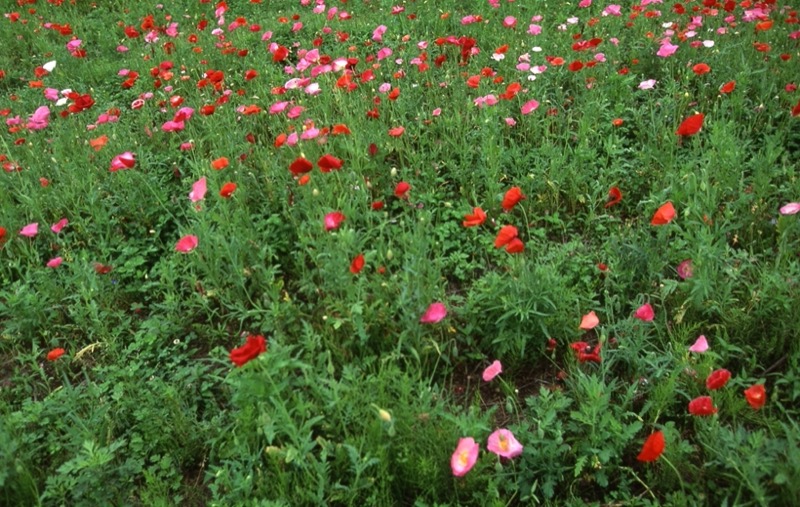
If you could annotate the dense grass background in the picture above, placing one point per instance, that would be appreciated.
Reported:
(146, 408)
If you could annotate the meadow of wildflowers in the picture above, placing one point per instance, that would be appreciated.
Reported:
(410, 252)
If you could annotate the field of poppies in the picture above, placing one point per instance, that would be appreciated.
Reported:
(430, 253)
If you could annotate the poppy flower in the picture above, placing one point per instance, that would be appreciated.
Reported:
(589, 321)
(756, 396)
(702, 406)
(475, 219)
(357, 264)
(186, 244)
(198, 192)
(98, 142)
(790, 209)
(55, 354)
(122, 161)
(59, 226)
(511, 198)
(652, 448)
(102, 269)
(504, 237)
(586, 353)
(691, 125)
(401, 190)
(300, 165)
(219, 163)
(493, 370)
(614, 197)
(30, 230)
(464, 457)
(728, 87)
(701, 68)
(252, 348)
(664, 214)
(700, 345)
(55, 262)
(684, 269)
(333, 220)
(515, 246)
(645, 313)
(717, 379)
(396, 131)
(503, 443)
(227, 189)
(796, 109)
(435, 313)
(328, 163)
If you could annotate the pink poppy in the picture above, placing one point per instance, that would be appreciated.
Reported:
(464, 457)
(503, 443)
(333, 220)
(700, 345)
(645, 313)
(492, 371)
(198, 190)
(186, 244)
(435, 313)
(30, 230)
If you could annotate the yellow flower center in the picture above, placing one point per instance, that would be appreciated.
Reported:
(503, 443)
(463, 458)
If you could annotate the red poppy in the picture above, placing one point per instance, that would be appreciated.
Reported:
(102, 269)
(664, 214)
(396, 131)
(300, 165)
(796, 109)
(475, 219)
(401, 190)
(328, 163)
(511, 198)
(340, 129)
(504, 237)
(280, 54)
(652, 448)
(55, 354)
(254, 346)
(702, 406)
(219, 164)
(701, 68)
(756, 396)
(333, 220)
(377, 205)
(587, 353)
(717, 379)
(357, 265)
(614, 197)
(515, 246)
(227, 189)
(691, 125)
(617, 122)
(728, 87)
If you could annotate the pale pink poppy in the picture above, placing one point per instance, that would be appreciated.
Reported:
(529, 107)
(186, 244)
(503, 443)
(700, 345)
(464, 457)
(790, 209)
(666, 49)
(492, 371)
(645, 313)
(198, 190)
(435, 313)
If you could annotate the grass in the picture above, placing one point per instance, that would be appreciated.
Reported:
(355, 400)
